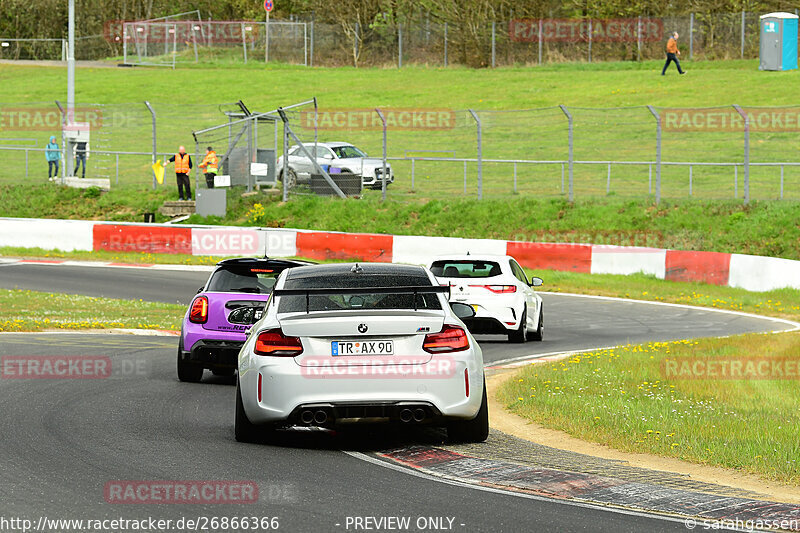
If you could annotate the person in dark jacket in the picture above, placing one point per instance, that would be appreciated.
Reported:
(80, 157)
(183, 164)
(53, 155)
(672, 54)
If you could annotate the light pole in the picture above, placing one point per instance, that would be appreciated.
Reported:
(71, 64)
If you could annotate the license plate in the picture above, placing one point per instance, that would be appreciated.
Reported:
(362, 348)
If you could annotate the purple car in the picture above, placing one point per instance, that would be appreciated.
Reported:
(224, 309)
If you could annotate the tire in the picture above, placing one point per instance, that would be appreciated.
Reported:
(538, 335)
(291, 183)
(475, 430)
(187, 371)
(243, 429)
(520, 334)
(223, 371)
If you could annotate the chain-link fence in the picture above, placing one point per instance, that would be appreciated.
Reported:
(418, 39)
(725, 152)
(721, 152)
(123, 139)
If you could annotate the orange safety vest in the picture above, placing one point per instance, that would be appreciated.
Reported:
(182, 164)
(210, 162)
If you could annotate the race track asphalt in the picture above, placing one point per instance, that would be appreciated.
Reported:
(63, 440)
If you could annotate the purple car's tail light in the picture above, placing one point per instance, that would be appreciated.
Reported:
(199, 311)
(274, 343)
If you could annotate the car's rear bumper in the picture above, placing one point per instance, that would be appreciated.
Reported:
(214, 353)
(488, 326)
(380, 391)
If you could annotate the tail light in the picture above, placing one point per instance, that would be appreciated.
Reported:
(199, 311)
(274, 343)
(450, 339)
(498, 289)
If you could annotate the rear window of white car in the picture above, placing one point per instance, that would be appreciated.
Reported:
(465, 269)
(338, 302)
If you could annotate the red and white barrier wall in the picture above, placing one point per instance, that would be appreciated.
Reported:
(749, 272)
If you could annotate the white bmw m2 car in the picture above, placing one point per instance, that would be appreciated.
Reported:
(496, 287)
(353, 342)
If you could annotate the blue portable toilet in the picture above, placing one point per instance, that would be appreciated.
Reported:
(778, 48)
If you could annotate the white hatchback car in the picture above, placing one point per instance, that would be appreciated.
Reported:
(342, 156)
(498, 290)
(361, 342)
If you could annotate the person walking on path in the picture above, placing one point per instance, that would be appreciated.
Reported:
(80, 157)
(53, 155)
(672, 54)
(209, 165)
(183, 165)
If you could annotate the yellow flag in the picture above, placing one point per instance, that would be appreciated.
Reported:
(158, 171)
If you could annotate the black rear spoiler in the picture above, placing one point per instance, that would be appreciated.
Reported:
(422, 289)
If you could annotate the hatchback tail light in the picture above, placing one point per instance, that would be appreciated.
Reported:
(274, 343)
(450, 339)
(498, 289)
(199, 310)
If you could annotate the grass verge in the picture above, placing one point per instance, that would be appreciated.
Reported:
(627, 399)
(22, 310)
(761, 228)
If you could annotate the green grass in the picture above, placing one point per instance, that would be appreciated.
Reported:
(591, 85)
(781, 303)
(600, 134)
(762, 228)
(23, 310)
(624, 398)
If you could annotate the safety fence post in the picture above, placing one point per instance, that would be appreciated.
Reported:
(494, 41)
(383, 174)
(743, 19)
(658, 152)
(570, 159)
(399, 46)
(746, 153)
(480, 154)
(153, 118)
(445, 44)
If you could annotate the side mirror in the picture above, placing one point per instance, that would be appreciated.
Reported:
(462, 310)
(536, 282)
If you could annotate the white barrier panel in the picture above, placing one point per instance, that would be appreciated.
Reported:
(278, 242)
(64, 235)
(628, 260)
(756, 273)
(422, 250)
(226, 241)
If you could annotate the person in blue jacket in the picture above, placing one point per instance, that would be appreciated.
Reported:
(53, 154)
